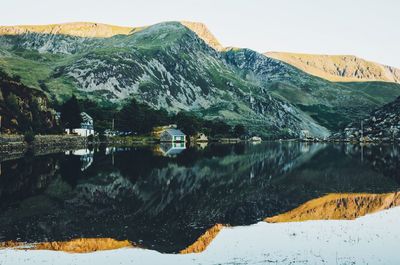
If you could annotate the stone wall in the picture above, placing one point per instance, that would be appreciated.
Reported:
(10, 144)
(15, 144)
(67, 141)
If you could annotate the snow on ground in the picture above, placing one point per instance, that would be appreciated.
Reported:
(372, 239)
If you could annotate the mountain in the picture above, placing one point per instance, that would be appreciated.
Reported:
(339, 68)
(182, 66)
(331, 104)
(382, 124)
(166, 65)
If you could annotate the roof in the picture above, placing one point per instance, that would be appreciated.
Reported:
(86, 117)
(175, 132)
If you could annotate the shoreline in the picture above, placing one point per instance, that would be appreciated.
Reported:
(14, 146)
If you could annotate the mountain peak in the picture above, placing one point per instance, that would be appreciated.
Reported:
(204, 33)
(339, 68)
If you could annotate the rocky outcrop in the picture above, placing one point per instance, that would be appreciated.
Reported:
(339, 68)
(204, 33)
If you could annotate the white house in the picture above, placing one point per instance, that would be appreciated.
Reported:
(255, 139)
(86, 128)
(172, 135)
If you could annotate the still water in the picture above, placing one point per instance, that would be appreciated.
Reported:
(165, 197)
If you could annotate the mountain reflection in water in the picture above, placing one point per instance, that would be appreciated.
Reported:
(165, 199)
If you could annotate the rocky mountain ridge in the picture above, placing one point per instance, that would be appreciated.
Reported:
(77, 29)
(99, 30)
(339, 68)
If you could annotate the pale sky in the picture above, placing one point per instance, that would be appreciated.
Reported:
(366, 28)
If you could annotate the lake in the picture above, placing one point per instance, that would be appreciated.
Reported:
(164, 197)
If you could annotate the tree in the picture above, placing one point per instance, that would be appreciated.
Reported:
(239, 130)
(37, 118)
(24, 123)
(219, 128)
(71, 114)
(130, 117)
(13, 103)
(140, 118)
(188, 123)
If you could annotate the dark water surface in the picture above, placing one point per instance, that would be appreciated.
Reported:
(165, 197)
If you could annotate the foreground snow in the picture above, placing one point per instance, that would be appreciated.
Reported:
(372, 239)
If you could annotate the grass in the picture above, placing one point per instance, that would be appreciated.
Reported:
(326, 116)
(382, 92)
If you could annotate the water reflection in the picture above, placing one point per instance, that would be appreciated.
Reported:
(167, 202)
(85, 156)
(171, 149)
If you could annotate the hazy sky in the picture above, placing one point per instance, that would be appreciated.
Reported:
(366, 28)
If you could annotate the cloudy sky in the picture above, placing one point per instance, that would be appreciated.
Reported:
(366, 28)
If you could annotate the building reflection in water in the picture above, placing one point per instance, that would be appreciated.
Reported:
(85, 156)
(202, 145)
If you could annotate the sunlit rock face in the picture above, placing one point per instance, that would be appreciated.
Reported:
(204, 33)
(167, 203)
(78, 29)
(342, 68)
